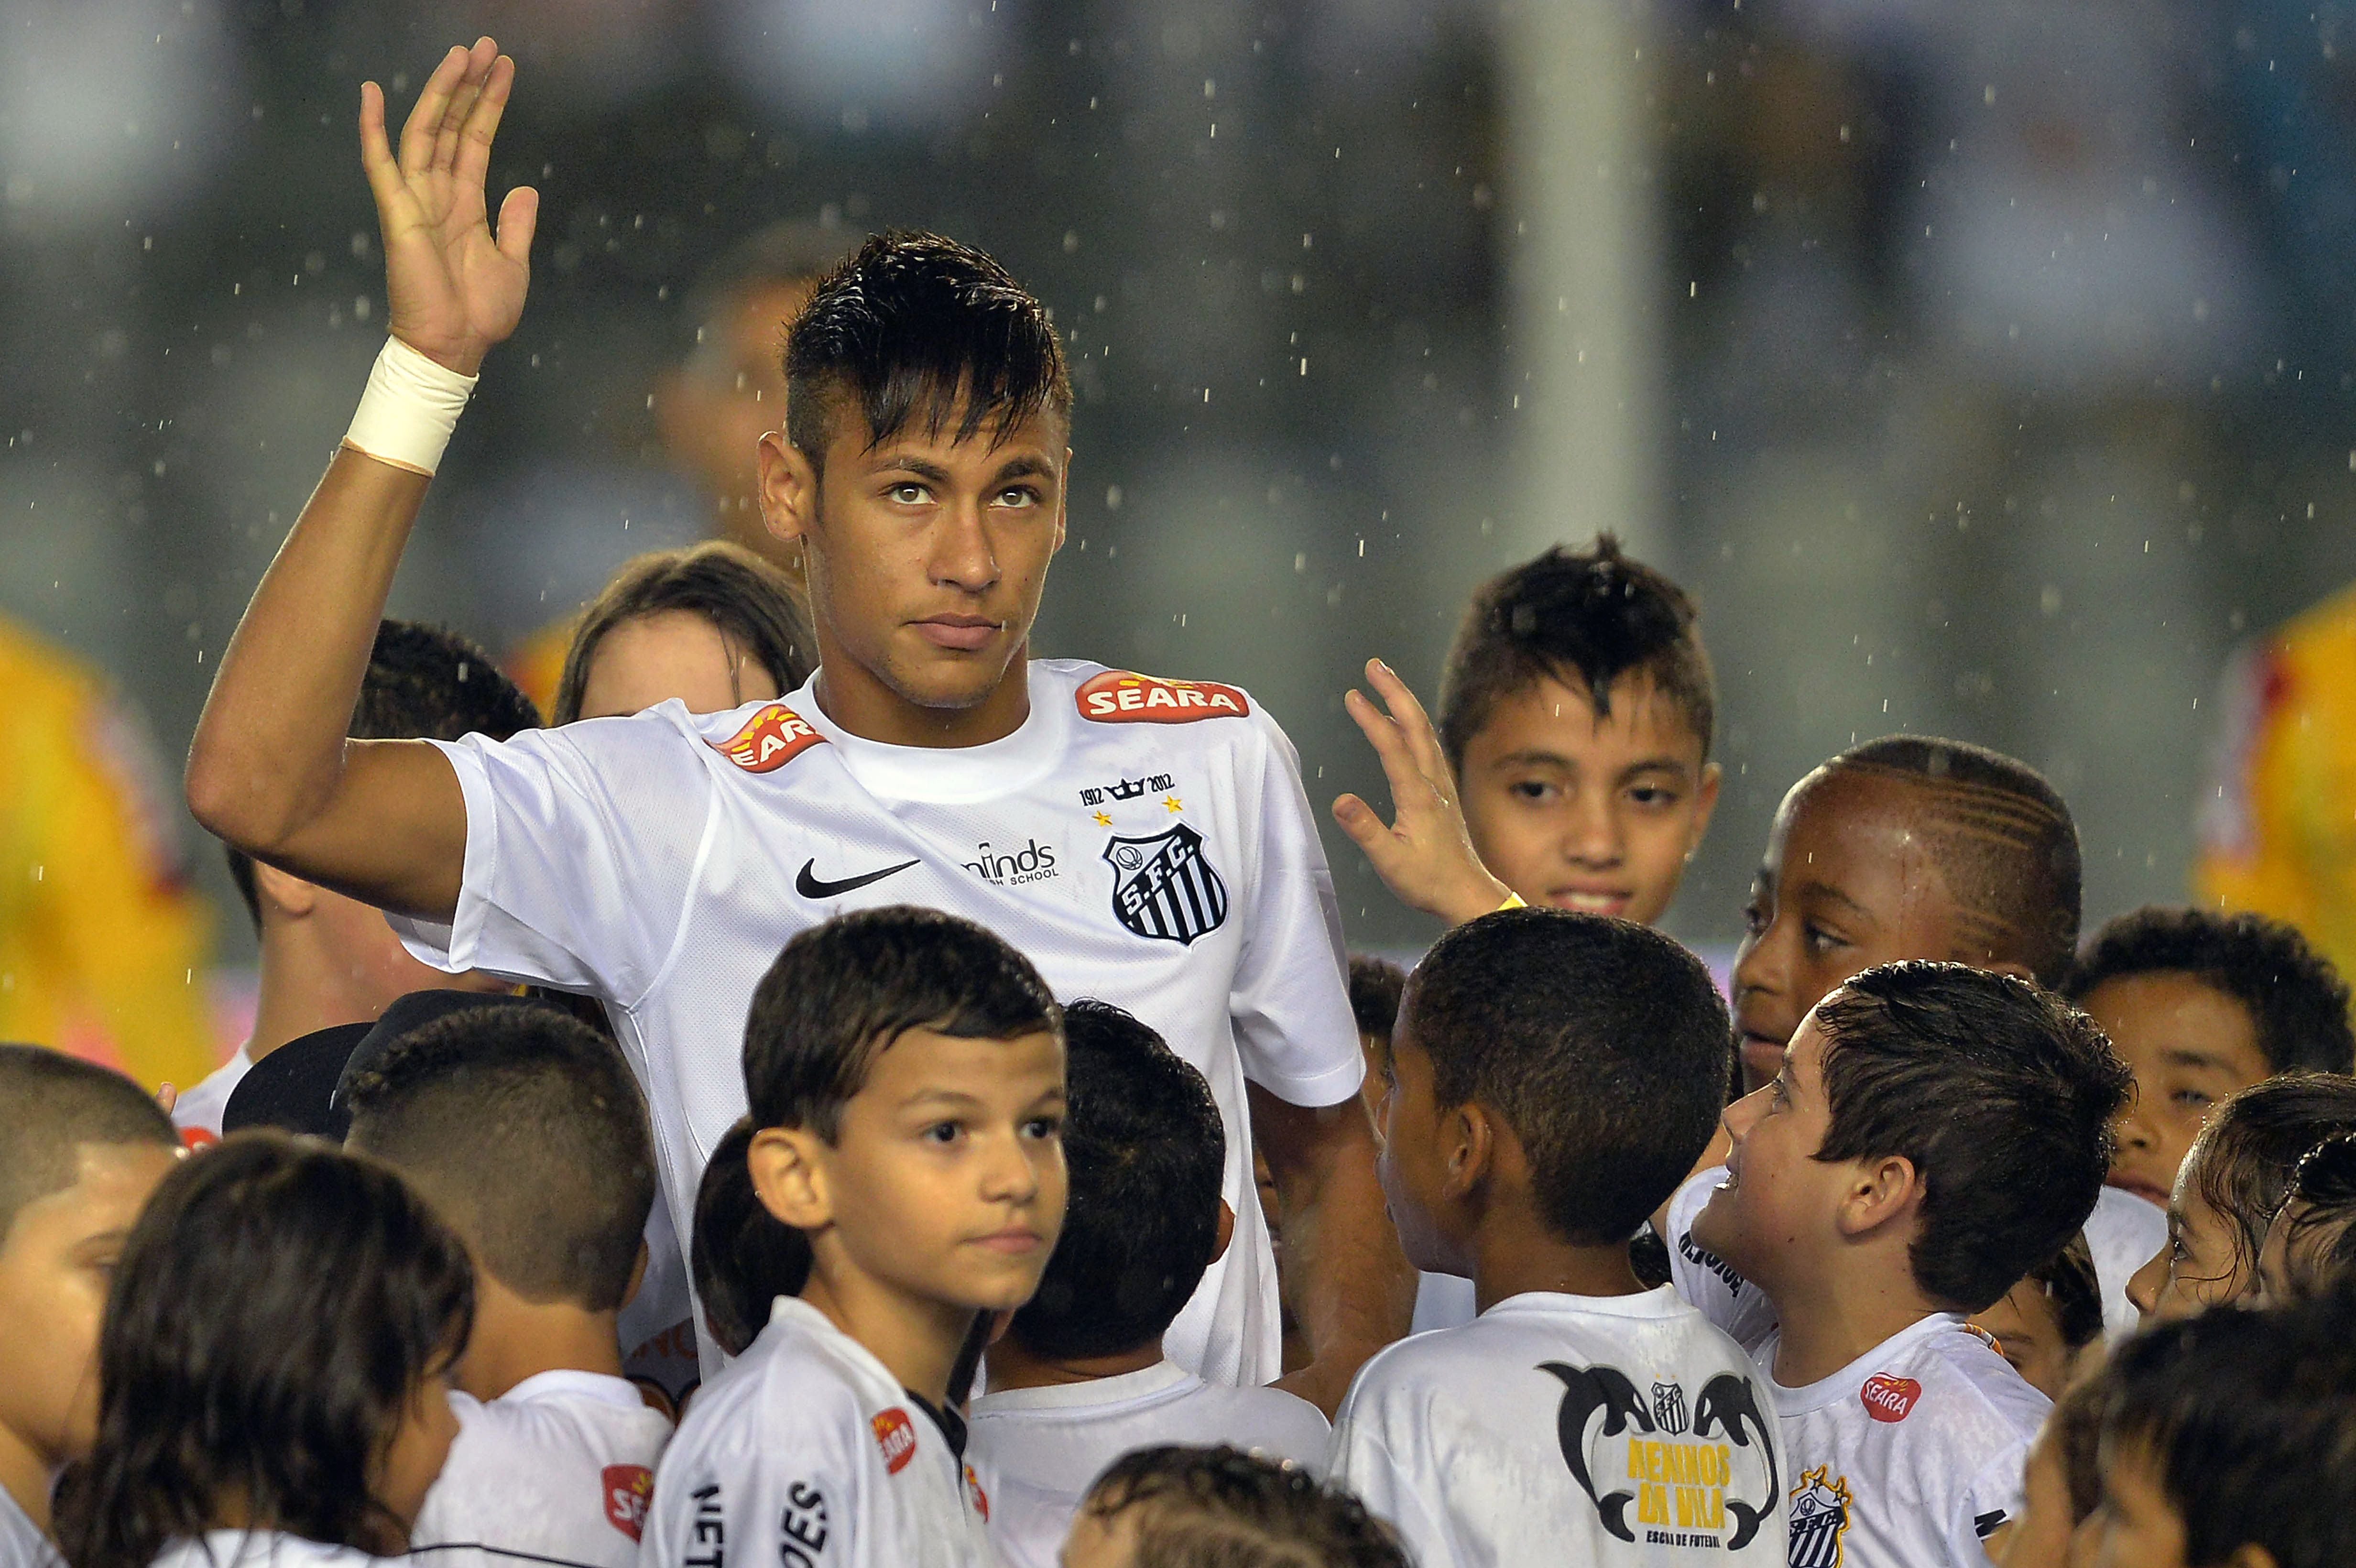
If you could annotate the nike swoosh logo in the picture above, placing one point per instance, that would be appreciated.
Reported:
(812, 887)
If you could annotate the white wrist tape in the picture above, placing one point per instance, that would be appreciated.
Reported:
(411, 406)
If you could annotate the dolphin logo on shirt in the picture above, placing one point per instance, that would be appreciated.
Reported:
(1587, 1390)
(1729, 1403)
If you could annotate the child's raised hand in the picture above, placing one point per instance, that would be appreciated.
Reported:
(1425, 857)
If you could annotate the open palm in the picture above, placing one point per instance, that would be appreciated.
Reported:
(453, 290)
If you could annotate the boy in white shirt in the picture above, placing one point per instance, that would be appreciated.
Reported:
(1936, 1131)
(1079, 1377)
(1552, 1077)
(906, 1073)
(524, 1130)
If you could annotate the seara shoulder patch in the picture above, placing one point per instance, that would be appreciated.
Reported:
(772, 737)
(1124, 696)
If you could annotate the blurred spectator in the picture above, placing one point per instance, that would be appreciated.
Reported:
(714, 625)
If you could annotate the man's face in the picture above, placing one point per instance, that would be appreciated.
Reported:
(56, 1264)
(375, 969)
(713, 410)
(927, 555)
(2199, 1266)
(2190, 1046)
(1412, 1163)
(1847, 883)
(2135, 1525)
(1577, 812)
(1777, 1203)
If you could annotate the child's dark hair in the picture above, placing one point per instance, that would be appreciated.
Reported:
(2070, 1283)
(749, 603)
(2323, 1186)
(2241, 1163)
(1595, 614)
(742, 1257)
(527, 1130)
(2296, 1001)
(1221, 1508)
(1602, 1044)
(422, 682)
(1375, 986)
(2248, 1419)
(910, 329)
(279, 1307)
(2000, 1093)
(1146, 1151)
(2076, 1422)
(842, 991)
(50, 1104)
(2003, 840)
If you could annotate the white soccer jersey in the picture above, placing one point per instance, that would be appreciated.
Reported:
(559, 1468)
(262, 1549)
(1603, 1430)
(1704, 1279)
(2123, 1234)
(199, 1109)
(1140, 840)
(1043, 1446)
(1909, 1457)
(22, 1544)
(806, 1454)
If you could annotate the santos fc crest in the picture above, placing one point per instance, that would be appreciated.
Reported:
(1164, 887)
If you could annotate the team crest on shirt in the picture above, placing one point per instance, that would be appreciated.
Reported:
(1818, 1519)
(1713, 1491)
(628, 1489)
(770, 739)
(1165, 888)
(1124, 696)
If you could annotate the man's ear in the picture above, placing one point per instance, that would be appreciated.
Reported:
(289, 895)
(788, 489)
(1880, 1192)
(1063, 500)
(637, 1275)
(1468, 1147)
(790, 1176)
(1226, 1232)
(1705, 802)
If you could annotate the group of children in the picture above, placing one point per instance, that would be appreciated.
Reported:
(1949, 1240)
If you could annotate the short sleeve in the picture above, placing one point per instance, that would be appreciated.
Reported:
(583, 845)
(1290, 1001)
(1992, 1500)
(1361, 1462)
(1704, 1281)
(744, 1492)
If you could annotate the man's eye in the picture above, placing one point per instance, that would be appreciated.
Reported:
(1530, 789)
(1754, 917)
(1820, 940)
(1653, 795)
(1018, 496)
(2193, 1099)
(909, 495)
(944, 1132)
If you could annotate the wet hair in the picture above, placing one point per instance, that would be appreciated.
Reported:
(2071, 1285)
(1147, 1155)
(50, 1104)
(1221, 1508)
(423, 684)
(1602, 1044)
(527, 1130)
(2241, 1162)
(2323, 1189)
(1375, 986)
(751, 604)
(278, 1309)
(2296, 1002)
(2001, 1095)
(841, 992)
(1592, 614)
(742, 1257)
(2248, 1420)
(910, 330)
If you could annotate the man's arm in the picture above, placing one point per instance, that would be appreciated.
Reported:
(1426, 858)
(1353, 1286)
(270, 770)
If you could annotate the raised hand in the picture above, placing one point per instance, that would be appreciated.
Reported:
(451, 290)
(1425, 856)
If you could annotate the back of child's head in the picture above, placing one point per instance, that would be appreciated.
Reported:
(1146, 1153)
(2241, 1165)
(841, 992)
(526, 1130)
(51, 1104)
(2001, 1095)
(1601, 1044)
(2003, 840)
(1591, 615)
(2296, 1002)
(1375, 986)
(2247, 1421)
(278, 1309)
(2319, 1217)
(1221, 1508)
(742, 1257)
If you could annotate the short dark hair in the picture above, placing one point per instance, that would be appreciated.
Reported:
(2075, 1291)
(1147, 1155)
(2324, 1186)
(423, 683)
(278, 1308)
(1592, 614)
(1600, 1042)
(1222, 1507)
(2244, 1159)
(527, 1129)
(907, 329)
(2003, 840)
(1999, 1093)
(50, 1104)
(842, 991)
(742, 1257)
(2296, 1001)
(2249, 1418)
(1375, 986)
(750, 603)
